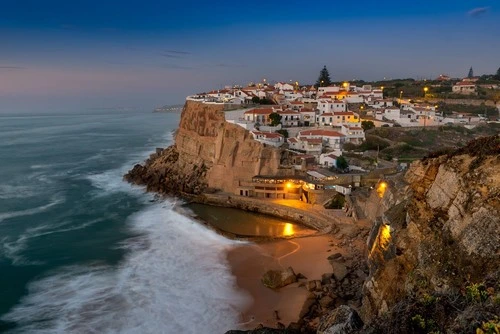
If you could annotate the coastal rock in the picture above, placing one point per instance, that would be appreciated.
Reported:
(306, 307)
(275, 279)
(438, 235)
(342, 320)
(339, 271)
(208, 153)
(326, 302)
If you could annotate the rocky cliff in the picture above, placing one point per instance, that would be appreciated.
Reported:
(434, 255)
(209, 153)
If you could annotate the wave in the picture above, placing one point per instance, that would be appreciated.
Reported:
(111, 181)
(8, 191)
(175, 279)
(13, 214)
(12, 249)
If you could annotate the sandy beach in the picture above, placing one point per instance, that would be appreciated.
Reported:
(307, 255)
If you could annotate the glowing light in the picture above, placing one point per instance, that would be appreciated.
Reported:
(381, 188)
(384, 237)
(288, 185)
(288, 229)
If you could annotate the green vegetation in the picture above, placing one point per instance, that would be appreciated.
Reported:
(275, 118)
(467, 108)
(367, 125)
(283, 132)
(476, 293)
(341, 163)
(324, 78)
(337, 202)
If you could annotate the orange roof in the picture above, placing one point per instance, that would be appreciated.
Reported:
(288, 112)
(326, 133)
(267, 134)
(341, 113)
(296, 102)
(264, 111)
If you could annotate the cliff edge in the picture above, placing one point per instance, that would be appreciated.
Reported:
(209, 154)
(434, 255)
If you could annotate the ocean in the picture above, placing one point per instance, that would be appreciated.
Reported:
(81, 251)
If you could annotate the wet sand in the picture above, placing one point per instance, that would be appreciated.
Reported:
(307, 255)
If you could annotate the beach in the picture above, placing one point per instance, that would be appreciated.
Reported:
(307, 256)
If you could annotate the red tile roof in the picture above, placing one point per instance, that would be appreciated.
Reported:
(324, 133)
(265, 111)
(269, 135)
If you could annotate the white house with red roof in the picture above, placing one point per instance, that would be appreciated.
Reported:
(296, 105)
(328, 160)
(329, 106)
(308, 116)
(269, 138)
(327, 90)
(309, 145)
(290, 117)
(464, 87)
(283, 86)
(338, 118)
(353, 134)
(259, 115)
(331, 139)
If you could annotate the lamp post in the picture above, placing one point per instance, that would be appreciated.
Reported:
(400, 97)
(425, 111)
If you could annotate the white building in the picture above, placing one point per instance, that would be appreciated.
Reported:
(464, 87)
(308, 116)
(329, 106)
(312, 146)
(328, 160)
(353, 134)
(269, 138)
(290, 117)
(331, 139)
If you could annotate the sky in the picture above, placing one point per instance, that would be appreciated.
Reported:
(71, 55)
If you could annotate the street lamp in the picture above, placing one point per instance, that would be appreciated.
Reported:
(400, 97)
(425, 91)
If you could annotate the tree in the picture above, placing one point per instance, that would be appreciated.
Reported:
(275, 118)
(497, 76)
(341, 163)
(324, 78)
(367, 125)
(471, 73)
(255, 99)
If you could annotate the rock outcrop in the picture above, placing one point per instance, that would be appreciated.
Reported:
(275, 279)
(209, 153)
(435, 254)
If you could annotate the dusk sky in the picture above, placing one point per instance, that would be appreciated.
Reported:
(141, 54)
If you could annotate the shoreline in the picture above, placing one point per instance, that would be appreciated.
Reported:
(269, 307)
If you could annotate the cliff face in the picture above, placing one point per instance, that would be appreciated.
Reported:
(208, 153)
(435, 254)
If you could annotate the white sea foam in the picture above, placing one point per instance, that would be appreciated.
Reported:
(8, 191)
(111, 181)
(174, 280)
(12, 249)
(56, 200)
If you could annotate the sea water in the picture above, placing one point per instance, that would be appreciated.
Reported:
(81, 251)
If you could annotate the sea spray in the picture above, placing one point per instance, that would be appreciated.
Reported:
(175, 279)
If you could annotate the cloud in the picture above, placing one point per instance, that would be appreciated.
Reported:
(185, 53)
(168, 55)
(230, 65)
(177, 67)
(12, 67)
(478, 11)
